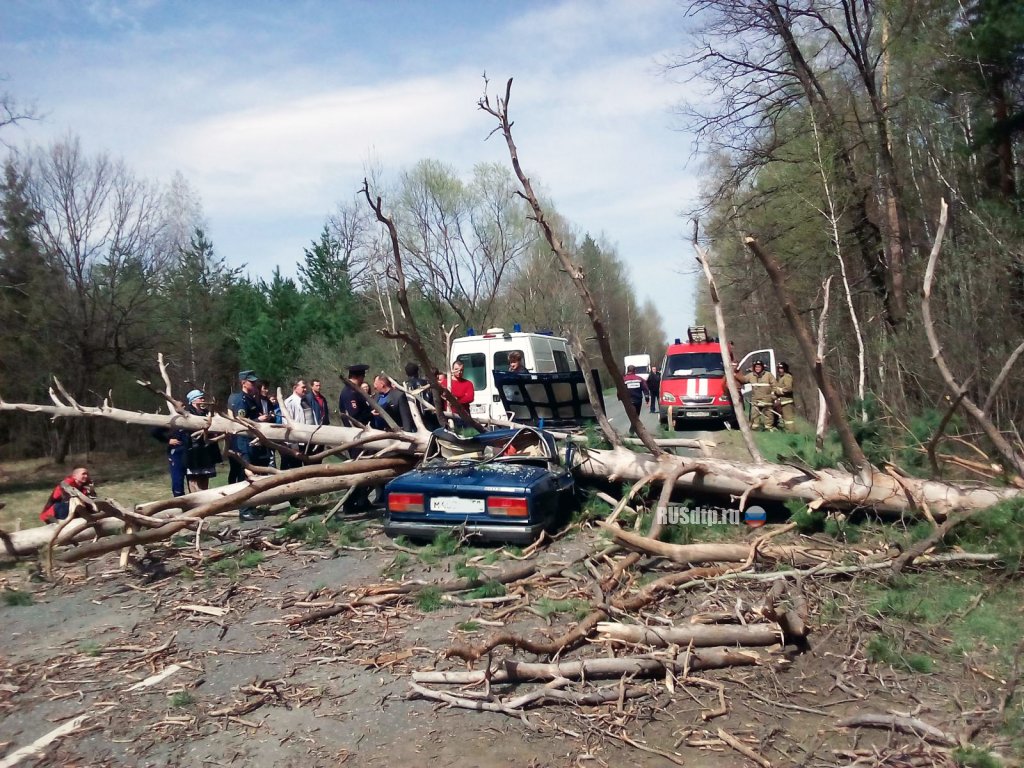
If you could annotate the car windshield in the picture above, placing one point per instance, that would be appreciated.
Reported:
(694, 365)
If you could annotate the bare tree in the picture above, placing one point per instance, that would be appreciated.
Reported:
(461, 240)
(766, 58)
(104, 231)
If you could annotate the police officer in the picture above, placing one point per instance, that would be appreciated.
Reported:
(783, 392)
(355, 407)
(761, 396)
(638, 391)
(349, 402)
(246, 404)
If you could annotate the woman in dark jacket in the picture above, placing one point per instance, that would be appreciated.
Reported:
(203, 453)
(194, 460)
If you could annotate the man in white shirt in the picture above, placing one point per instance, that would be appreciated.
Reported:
(298, 411)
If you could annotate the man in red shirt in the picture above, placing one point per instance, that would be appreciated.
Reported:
(57, 505)
(461, 389)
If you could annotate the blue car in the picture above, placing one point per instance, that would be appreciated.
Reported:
(505, 486)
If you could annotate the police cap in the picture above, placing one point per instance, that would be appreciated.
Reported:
(358, 370)
(248, 376)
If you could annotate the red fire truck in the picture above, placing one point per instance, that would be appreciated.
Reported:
(693, 385)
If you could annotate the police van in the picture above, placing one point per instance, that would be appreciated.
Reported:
(483, 354)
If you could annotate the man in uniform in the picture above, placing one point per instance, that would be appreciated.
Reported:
(638, 391)
(654, 387)
(783, 392)
(247, 404)
(354, 406)
(761, 396)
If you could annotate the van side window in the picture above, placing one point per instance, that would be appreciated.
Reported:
(475, 368)
(561, 361)
(501, 359)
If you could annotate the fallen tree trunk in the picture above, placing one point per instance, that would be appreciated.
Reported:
(711, 552)
(279, 433)
(357, 473)
(782, 482)
(771, 482)
(595, 669)
(695, 635)
(270, 489)
(28, 542)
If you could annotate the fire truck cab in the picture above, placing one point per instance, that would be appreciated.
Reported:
(693, 384)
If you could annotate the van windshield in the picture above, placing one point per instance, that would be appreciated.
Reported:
(694, 365)
(641, 368)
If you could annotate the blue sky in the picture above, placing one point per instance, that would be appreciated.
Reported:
(272, 110)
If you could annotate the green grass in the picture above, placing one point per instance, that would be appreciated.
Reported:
(999, 529)
(128, 478)
(490, 557)
(398, 566)
(445, 544)
(90, 648)
(468, 626)
(311, 532)
(181, 699)
(487, 589)
(591, 509)
(972, 757)
(227, 566)
(17, 598)
(345, 533)
(990, 624)
(883, 649)
(251, 559)
(547, 607)
(799, 446)
(465, 571)
(429, 599)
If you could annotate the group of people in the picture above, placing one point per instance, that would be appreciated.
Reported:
(643, 390)
(193, 459)
(771, 397)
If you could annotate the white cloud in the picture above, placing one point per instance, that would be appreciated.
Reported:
(272, 136)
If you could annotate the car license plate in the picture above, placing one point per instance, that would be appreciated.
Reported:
(478, 408)
(456, 505)
(698, 414)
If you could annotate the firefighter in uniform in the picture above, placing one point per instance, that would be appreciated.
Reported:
(762, 397)
(784, 398)
(638, 391)
(358, 410)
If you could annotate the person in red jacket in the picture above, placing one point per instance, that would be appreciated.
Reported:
(461, 388)
(57, 505)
